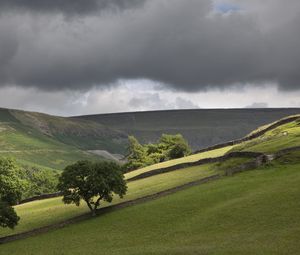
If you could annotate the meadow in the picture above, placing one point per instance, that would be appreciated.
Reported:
(245, 214)
(254, 212)
(45, 212)
(36, 214)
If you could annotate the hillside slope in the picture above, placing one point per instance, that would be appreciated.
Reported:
(53, 142)
(182, 172)
(201, 127)
(245, 214)
(281, 137)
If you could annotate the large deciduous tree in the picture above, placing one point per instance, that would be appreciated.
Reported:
(92, 182)
(10, 192)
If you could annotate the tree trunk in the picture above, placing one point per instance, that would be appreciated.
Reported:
(91, 208)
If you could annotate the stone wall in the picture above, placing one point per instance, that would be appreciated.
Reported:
(236, 154)
(40, 197)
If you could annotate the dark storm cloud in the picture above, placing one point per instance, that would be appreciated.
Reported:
(67, 7)
(186, 45)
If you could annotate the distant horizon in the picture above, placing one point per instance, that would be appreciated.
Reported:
(159, 110)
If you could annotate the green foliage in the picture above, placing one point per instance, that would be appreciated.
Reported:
(8, 216)
(168, 147)
(38, 181)
(92, 182)
(10, 192)
(174, 146)
(137, 154)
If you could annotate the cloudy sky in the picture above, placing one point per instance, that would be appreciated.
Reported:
(72, 57)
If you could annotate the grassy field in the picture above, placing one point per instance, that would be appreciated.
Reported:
(244, 214)
(45, 212)
(284, 136)
(37, 213)
(188, 159)
(255, 212)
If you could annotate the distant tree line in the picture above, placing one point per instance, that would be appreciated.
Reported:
(168, 147)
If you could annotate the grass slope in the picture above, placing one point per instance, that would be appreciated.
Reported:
(284, 136)
(86, 135)
(32, 148)
(188, 159)
(45, 212)
(36, 214)
(46, 141)
(256, 212)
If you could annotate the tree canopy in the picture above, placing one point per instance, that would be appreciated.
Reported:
(168, 147)
(92, 182)
(10, 192)
(38, 181)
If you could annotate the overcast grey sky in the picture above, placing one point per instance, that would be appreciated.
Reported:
(92, 56)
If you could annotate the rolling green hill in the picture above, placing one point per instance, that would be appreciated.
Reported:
(245, 214)
(284, 136)
(255, 212)
(53, 142)
(201, 127)
(36, 214)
